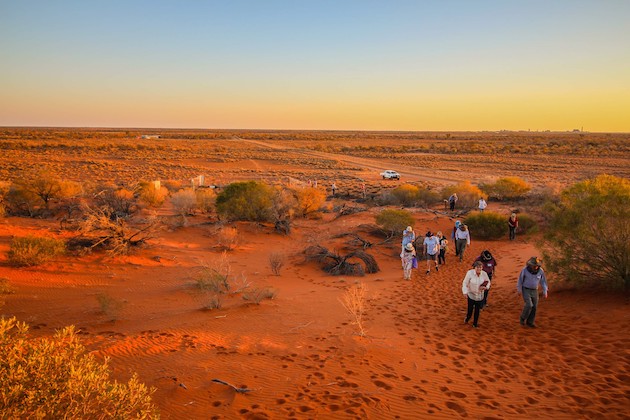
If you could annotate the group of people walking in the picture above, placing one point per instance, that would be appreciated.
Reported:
(478, 279)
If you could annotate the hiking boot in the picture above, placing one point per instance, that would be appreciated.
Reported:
(437, 268)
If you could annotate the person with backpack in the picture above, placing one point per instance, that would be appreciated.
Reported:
(489, 266)
(409, 236)
(474, 285)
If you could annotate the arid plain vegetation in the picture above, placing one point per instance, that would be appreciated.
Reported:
(279, 299)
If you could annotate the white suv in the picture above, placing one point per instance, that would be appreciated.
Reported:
(390, 175)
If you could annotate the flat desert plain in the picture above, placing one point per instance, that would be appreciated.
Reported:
(299, 355)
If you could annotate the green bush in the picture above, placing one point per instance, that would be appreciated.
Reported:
(32, 250)
(487, 225)
(526, 223)
(508, 188)
(394, 221)
(249, 200)
(587, 237)
(56, 378)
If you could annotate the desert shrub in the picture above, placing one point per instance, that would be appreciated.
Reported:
(33, 250)
(309, 200)
(587, 235)
(109, 306)
(276, 261)
(283, 204)
(21, 202)
(487, 225)
(249, 200)
(152, 195)
(120, 200)
(258, 294)
(184, 202)
(227, 238)
(205, 199)
(405, 194)
(43, 185)
(508, 188)
(5, 289)
(57, 378)
(468, 194)
(526, 223)
(101, 228)
(5, 187)
(354, 301)
(394, 221)
(216, 277)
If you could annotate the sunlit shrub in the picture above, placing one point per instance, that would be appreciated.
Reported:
(394, 221)
(508, 188)
(184, 202)
(32, 250)
(587, 234)
(56, 378)
(468, 194)
(309, 200)
(153, 195)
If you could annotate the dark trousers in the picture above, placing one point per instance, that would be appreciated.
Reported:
(476, 306)
(452, 204)
(442, 257)
(460, 247)
(485, 293)
(512, 232)
(530, 296)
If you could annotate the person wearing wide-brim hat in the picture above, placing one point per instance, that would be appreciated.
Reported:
(489, 266)
(408, 237)
(531, 276)
(407, 257)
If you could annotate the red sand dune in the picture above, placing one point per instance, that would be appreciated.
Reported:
(299, 353)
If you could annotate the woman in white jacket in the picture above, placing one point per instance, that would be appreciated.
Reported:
(473, 286)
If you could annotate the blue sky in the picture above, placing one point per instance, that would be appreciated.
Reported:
(396, 65)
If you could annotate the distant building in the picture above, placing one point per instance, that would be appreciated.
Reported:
(150, 136)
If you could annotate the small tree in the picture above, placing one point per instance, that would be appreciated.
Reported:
(587, 238)
(309, 200)
(394, 221)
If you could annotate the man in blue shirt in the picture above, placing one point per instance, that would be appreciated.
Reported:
(529, 279)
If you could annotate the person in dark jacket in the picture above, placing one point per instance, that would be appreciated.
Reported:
(489, 266)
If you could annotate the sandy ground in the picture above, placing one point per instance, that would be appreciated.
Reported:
(300, 354)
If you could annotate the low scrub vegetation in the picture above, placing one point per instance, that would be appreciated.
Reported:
(508, 188)
(57, 378)
(258, 294)
(33, 250)
(587, 237)
(467, 193)
(411, 195)
(487, 225)
(394, 221)
(354, 301)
